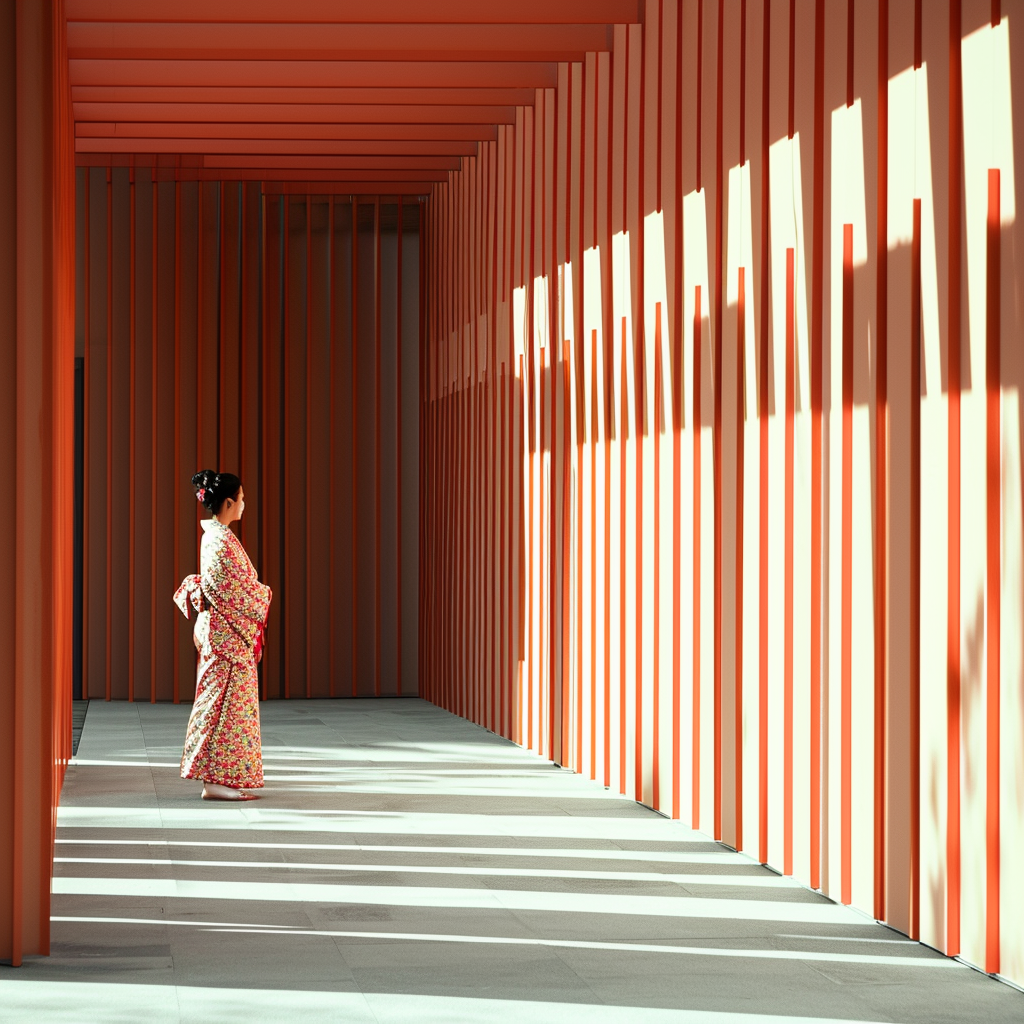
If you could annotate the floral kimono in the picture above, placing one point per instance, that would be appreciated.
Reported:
(222, 744)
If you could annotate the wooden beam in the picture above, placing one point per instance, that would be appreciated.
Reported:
(297, 113)
(326, 147)
(329, 72)
(236, 130)
(315, 42)
(545, 12)
(303, 95)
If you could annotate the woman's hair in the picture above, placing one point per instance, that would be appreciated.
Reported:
(213, 489)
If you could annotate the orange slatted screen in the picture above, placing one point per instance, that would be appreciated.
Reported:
(217, 325)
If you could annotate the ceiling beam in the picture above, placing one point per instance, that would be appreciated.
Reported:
(480, 96)
(539, 12)
(362, 166)
(106, 41)
(373, 184)
(250, 130)
(315, 174)
(324, 163)
(323, 73)
(297, 146)
(330, 113)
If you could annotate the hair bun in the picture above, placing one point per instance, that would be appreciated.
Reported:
(213, 488)
(205, 481)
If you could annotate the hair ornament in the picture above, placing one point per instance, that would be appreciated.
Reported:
(200, 494)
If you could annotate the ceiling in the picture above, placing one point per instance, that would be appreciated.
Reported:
(384, 96)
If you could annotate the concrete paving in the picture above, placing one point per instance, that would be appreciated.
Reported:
(404, 866)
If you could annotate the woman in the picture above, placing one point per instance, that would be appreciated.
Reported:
(222, 745)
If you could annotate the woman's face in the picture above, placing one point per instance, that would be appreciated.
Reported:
(237, 506)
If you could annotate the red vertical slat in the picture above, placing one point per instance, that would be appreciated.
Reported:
(286, 514)
(425, 451)
(332, 257)
(480, 605)
(398, 461)
(787, 781)
(638, 723)
(623, 441)
(520, 434)
(581, 406)
(846, 706)
(741, 347)
(915, 572)
(222, 308)
(355, 451)
(110, 430)
(492, 384)
(655, 427)
(593, 559)
(87, 414)
(764, 461)
(458, 442)
(309, 447)
(199, 336)
(545, 641)
(530, 521)
(243, 340)
(177, 421)
(697, 385)
(993, 573)
(817, 290)
(677, 440)
(504, 722)
(717, 372)
(154, 403)
(199, 461)
(264, 424)
(376, 447)
(953, 222)
(609, 433)
(494, 208)
(566, 548)
(131, 433)
(881, 588)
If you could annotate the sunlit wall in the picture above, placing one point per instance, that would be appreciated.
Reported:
(722, 443)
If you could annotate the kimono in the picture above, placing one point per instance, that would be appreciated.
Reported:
(222, 744)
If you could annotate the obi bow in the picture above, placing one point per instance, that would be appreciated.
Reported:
(190, 591)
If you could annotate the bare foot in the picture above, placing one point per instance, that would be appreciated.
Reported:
(214, 791)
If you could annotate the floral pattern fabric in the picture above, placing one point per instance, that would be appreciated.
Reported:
(222, 744)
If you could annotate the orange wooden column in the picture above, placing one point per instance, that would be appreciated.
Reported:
(37, 183)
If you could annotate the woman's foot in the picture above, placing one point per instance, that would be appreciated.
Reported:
(215, 791)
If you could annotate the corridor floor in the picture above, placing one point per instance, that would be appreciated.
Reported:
(404, 866)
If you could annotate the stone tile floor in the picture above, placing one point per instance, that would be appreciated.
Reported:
(404, 865)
